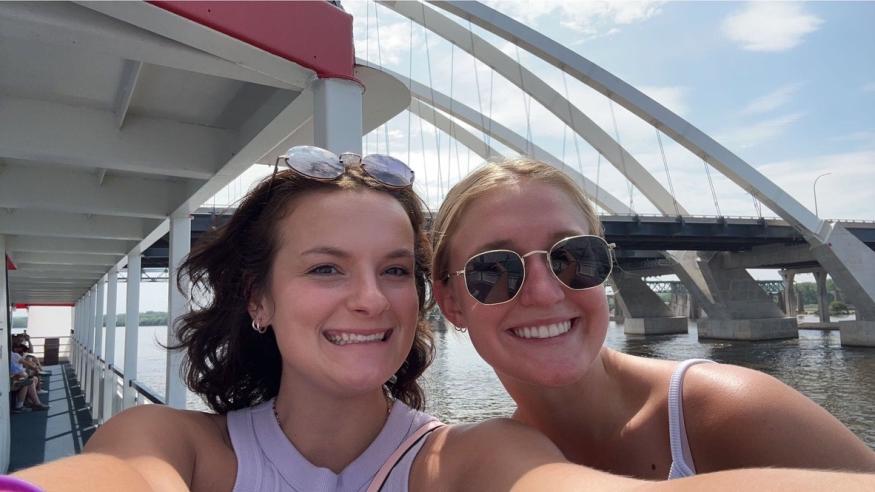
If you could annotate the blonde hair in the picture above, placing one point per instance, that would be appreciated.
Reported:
(492, 176)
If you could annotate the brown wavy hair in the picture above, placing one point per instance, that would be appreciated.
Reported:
(229, 364)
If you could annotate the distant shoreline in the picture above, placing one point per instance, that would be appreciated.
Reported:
(149, 318)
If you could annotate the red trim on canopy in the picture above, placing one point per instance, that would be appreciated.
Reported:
(9, 264)
(60, 304)
(317, 35)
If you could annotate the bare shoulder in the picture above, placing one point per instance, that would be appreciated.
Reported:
(737, 417)
(491, 455)
(162, 441)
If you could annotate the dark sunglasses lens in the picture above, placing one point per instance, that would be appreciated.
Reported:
(494, 276)
(581, 262)
(388, 170)
(314, 162)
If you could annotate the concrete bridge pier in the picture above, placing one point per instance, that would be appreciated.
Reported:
(790, 304)
(737, 307)
(643, 309)
(822, 296)
(853, 269)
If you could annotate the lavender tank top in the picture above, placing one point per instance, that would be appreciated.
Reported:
(268, 462)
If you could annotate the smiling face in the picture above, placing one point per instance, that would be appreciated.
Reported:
(549, 334)
(342, 298)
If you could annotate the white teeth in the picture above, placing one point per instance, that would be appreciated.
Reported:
(544, 331)
(347, 338)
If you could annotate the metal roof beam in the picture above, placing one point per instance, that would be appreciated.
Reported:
(40, 244)
(65, 259)
(127, 86)
(57, 133)
(69, 190)
(56, 224)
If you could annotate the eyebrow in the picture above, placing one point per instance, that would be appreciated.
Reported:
(508, 244)
(332, 251)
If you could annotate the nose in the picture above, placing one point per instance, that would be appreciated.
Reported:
(541, 288)
(367, 297)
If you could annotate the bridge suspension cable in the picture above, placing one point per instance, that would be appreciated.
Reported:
(711, 184)
(623, 158)
(667, 173)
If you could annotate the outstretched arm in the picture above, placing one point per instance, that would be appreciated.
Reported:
(501, 455)
(741, 418)
(141, 449)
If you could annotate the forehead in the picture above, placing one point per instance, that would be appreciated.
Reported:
(521, 216)
(343, 216)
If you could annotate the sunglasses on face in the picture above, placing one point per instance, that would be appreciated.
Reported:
(497, 276)
(324, 165)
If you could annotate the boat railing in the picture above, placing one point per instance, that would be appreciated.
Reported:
(51, 350)
(106, 389)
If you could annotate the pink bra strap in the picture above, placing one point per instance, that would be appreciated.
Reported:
(403, 448)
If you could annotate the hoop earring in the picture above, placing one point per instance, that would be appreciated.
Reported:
(460, 329)
(260, 329)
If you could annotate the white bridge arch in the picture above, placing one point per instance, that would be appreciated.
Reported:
(850, 262)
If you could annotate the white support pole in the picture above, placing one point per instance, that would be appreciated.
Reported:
(97, 371)
(80, 332)
(177, 304)
(92, 354)
(5, 417)
(74, 337)
(337, 115)
(86, 347)
(132, 327)
(109, 378)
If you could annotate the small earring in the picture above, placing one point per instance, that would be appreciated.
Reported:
(460, 329)
(257, 327)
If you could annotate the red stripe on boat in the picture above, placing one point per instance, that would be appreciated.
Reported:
(316, 35)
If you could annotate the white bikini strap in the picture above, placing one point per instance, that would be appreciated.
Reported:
(403, 448)
(682, 459)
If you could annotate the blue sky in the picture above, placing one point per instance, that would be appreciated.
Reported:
(789, 87)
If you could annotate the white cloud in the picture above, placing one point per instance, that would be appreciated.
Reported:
(846, 194)
(870, 87)
(757, 133)
(770, 26)
(586, 17)
(772, 100)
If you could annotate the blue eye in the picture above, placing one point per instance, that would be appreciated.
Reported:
(324, 270)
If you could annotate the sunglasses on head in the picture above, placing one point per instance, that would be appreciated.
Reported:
(324, 165)
(497, 276)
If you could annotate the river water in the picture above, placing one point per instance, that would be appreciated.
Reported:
(460, 387)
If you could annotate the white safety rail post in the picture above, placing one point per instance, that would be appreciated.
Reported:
(74, 339)
(109, 377)
(5, 428)
(97, 375)
(132, 328)
(85, 382)
(177, 304)
(80, 340)
(337, 115)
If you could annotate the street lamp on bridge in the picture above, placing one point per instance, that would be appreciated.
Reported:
(815, 192)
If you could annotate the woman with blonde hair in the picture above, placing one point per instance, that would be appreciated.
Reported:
(520, 261)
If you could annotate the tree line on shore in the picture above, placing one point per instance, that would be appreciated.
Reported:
(149, 318)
